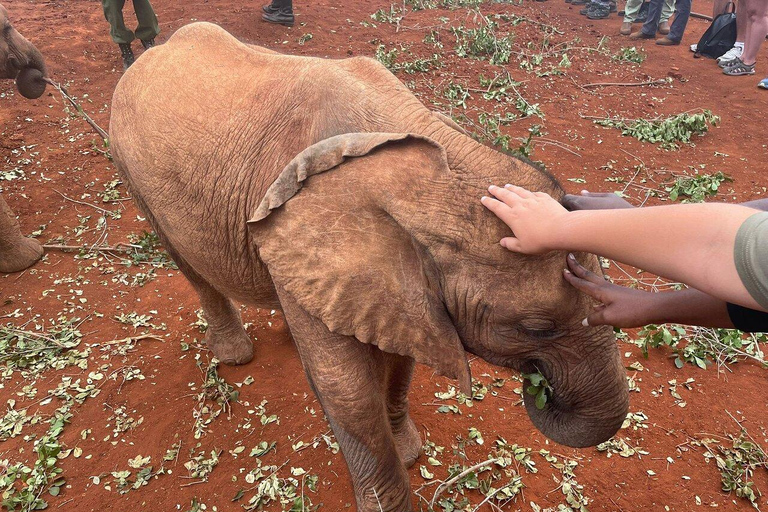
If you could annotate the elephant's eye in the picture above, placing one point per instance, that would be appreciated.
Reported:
(542, 334)
(540, 329)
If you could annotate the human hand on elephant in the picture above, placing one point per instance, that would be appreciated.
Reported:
(532, 217)
(618, 306)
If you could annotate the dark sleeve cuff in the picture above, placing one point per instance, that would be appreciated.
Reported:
(747, 320)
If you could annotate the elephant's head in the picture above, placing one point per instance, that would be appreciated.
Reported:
(20, 59)
(393, 247)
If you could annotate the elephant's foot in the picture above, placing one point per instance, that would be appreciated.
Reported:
(230, 346)
(21, 254)
(407, 440)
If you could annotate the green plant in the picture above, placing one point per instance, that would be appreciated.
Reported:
(538, 388)
(391, 16)
(694, 189)
(216, 390)
(665, 131)
(43, 476)
(457, 95)
(389, 59)
(36, 351)
(482, 42)
(701, 346)
(146, 249)
(737, 464)
(629, 54)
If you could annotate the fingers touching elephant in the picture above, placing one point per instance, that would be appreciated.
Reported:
(325, 188)
(19, 60)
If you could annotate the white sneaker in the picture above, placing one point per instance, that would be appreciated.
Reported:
(694, 47)
(731, 54)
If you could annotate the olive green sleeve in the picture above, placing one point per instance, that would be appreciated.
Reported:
(751, 256)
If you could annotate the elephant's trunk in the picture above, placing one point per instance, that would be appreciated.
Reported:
(588, 405)
(32, 68)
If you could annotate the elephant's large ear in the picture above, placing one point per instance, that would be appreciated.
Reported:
(338, 249)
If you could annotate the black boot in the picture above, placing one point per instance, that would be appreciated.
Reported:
(283, 16)
(149, 43)
(270, 9)
(127, 54)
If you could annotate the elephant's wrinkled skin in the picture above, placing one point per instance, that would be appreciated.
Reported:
(385, 258)
(19, 60)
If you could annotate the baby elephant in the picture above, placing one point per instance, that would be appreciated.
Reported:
(19, 60)
(325, 188)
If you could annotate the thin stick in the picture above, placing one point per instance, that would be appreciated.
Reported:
(700, 16)
(103, 134)
(629, 84)
(445, 485)
(102, 210)
(120, 247)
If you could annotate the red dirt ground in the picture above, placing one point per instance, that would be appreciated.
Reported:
(73, 36)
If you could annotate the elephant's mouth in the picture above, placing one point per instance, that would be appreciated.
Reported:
(570, 421)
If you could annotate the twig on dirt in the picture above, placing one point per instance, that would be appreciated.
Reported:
(448, 483)
(103, 134)
(102, 210)
(492, 494)
(133, 338)
(627, 84)
(558, 144)
(119, 247)
(700, 16)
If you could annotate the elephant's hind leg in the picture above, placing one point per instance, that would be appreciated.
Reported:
(398, 382)
(225, 335)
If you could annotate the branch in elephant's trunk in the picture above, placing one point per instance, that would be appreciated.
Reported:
(102, 133)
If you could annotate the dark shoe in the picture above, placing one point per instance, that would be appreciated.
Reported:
(270, 9)
(281, 17)
(640, 35)
(612, 5)
(127, 54)
(149, 43)
(664, 28)
(585, 10)
(666, 41)
(599, 12)
(580, 2)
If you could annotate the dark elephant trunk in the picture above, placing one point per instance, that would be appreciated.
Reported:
(589, 402)
(29, 81)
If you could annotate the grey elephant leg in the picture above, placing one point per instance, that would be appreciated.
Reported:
(225, 335)
(349, 379)
(399, 372)
(16, 251)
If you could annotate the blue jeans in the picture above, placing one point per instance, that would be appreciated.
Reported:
(682, 13)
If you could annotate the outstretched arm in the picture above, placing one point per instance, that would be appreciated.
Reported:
(628, 307)
(691, 243)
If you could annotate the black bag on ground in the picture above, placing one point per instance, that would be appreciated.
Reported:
(720, 36)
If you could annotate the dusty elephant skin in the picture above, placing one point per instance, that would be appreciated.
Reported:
(327, 189)
(19, 60)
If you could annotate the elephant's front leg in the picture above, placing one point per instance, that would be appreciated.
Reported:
(349, 379)
(16, 251)
(398, 382)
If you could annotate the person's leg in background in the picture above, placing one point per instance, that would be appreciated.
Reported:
(682, 13)
(148, 27)
(756, 31)
(280, 12)
(113, 12)
(630, 15)
(728, 58)
(651, 25)
(597, 10)
(667, 10)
